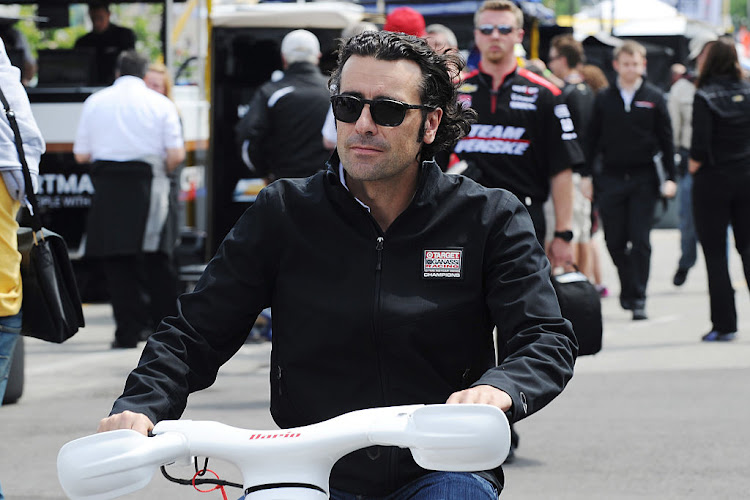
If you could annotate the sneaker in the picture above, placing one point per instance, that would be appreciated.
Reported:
(603, 290)
(714, 336)
(639, 313)
(679, 277)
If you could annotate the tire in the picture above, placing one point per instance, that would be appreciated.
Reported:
(14, 390)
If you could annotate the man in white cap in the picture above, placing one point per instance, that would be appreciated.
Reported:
(282, 128)
(680, 104)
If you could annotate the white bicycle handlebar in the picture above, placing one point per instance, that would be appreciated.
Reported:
(291, 463)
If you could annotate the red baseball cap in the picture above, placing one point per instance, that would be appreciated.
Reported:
(405, 20)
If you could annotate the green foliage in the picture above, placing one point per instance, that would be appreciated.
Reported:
(738, 12)
(563, 7)
(145, 21)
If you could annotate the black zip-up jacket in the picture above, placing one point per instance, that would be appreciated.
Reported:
(363, 318)
(284, 121)
(628, 139)
(721, 126)
(524, 133)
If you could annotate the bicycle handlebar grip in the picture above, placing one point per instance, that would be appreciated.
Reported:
(115, 463)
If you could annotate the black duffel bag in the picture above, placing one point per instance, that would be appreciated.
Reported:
(580, 304)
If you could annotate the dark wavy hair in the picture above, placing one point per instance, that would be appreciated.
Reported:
(721, 60)
(438, 88)
(569, 48)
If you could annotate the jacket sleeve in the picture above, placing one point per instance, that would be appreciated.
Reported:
(665, 137)
(535, 344)
(700, 144)
(254, 128)
(212, 323)
(561, 145)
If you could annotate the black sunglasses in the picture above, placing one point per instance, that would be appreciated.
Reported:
(503, 29)
(384, 112)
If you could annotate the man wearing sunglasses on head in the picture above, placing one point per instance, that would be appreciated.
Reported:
(386, 278)
(524, 139)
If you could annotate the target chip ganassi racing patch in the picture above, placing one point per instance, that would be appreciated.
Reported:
(441, 264)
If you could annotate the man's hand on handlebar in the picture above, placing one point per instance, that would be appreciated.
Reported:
(127, 420)
(482, 394)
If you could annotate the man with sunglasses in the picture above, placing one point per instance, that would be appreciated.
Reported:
(386, 278)
(524, 139)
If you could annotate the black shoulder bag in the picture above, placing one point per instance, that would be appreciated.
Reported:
(51, 303)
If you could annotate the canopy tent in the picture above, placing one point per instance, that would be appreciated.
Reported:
(324, 15)
(634, 18)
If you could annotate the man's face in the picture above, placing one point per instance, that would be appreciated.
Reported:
(371, 152)
(100, 19)
(629, 67)
(556, 63)
(156, 81)
(497, 48)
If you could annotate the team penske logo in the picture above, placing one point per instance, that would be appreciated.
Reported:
(440, 264)
(494, 139)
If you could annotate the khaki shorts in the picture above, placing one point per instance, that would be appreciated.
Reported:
(581, 214)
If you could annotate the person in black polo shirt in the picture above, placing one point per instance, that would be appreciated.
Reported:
(629, 126)
(108, 39)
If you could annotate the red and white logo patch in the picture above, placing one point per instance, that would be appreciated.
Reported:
(440, 264)
(465, 100)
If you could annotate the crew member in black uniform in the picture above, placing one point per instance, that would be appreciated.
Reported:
(281, 132)
(386, 277)
(524, 138)
(629, 126)
(108, 40)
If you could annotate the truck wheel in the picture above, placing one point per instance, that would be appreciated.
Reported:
(14, 390)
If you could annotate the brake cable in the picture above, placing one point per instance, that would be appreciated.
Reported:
(196, 481)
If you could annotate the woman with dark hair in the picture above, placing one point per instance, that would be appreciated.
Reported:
(720, 163)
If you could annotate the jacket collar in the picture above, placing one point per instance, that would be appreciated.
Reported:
(300, 68)
(429, 174)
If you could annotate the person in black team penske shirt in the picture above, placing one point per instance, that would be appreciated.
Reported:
(524, 139)
(386, 278)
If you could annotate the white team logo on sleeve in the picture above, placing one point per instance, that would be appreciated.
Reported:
(566, 122)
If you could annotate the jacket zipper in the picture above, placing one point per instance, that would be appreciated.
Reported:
(379, 242)
(391, 456)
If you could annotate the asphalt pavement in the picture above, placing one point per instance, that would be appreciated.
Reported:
(657, 414)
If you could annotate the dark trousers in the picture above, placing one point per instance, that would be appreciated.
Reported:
(721, 199)
(143, 290)
(626, 207)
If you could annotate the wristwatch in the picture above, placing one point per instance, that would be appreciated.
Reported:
(564, 235)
